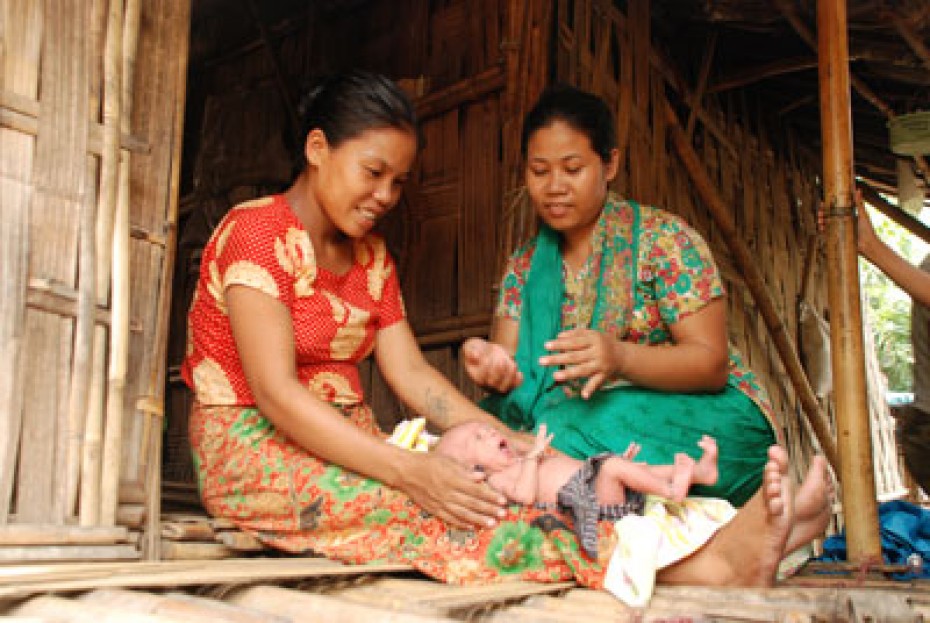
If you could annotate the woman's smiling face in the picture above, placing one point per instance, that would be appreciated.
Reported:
(361, 179)
(566, 179)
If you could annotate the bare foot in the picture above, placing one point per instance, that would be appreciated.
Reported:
(705, 471)
(778, 501)
(682, 477)
(746, 551)
(811, 505)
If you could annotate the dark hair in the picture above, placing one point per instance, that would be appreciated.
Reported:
(583, 111)
(346, 105)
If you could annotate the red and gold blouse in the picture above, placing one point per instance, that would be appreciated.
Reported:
(261, 244)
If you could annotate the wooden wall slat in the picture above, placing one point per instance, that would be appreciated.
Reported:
(479, 207)
(22, 38)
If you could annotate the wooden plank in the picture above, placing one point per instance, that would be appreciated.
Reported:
(36, 579)
(39, 534)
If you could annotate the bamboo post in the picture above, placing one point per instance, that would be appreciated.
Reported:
(856, 471)
(744, 259)
(151, 464)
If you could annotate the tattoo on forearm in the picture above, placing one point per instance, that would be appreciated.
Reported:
(437, 407)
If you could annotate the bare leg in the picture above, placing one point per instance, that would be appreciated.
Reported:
(682, 476)
(746, 551)
(811, 505)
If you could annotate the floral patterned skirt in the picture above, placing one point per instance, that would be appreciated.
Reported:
(290, 500)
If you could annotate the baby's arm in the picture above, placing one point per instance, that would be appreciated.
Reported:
(519, 481)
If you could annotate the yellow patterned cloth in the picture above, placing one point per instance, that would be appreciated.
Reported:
(665, 533)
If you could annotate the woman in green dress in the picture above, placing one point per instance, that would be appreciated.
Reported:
(611, 326)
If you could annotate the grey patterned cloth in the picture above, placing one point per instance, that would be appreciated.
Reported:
(577, 498)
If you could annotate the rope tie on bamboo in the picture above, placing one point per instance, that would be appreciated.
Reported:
(840, 211)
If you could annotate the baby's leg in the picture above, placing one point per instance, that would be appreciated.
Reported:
(705, 470)
(618, 474)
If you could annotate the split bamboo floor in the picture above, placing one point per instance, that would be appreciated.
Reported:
(281, 590)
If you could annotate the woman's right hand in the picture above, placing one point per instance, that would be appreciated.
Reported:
(490, 365)
(448, 490)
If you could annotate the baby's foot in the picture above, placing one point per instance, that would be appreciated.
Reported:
(705, 470)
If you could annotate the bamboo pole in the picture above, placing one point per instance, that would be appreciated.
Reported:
(90, 497)
(856, 471)
(755, 282)
(120, 285)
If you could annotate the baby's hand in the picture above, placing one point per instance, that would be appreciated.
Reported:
(631, 451)
(542, 442)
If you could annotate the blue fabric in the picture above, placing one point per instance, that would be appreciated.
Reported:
(904, 529)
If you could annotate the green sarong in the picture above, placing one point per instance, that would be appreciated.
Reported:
(662, 423)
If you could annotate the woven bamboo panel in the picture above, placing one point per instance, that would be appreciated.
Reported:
(67, 151)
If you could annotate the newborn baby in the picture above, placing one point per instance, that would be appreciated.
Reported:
(605, 486)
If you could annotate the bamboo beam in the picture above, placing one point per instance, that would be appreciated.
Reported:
(912, 38)
(470, 89)
(22, 114)
(758, 74)
(695, 102)
(755, 282)
(895, 213)
(856, 471)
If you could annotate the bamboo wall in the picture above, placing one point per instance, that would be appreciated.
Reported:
(90, 109)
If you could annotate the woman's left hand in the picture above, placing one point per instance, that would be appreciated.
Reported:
(584, 354)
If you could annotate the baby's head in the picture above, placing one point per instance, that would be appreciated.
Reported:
(477, 445)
